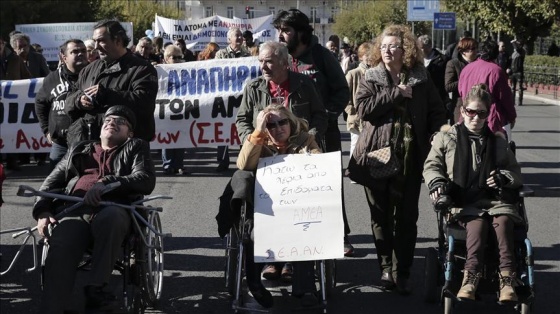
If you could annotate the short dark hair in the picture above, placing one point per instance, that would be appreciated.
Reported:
(115, 30)
(488, 50)
(296, 19)
(467, 34)
(64, 46)
(467, 44)
(247, 34)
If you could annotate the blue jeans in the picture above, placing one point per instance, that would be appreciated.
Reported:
(57, 152)
(173, 157)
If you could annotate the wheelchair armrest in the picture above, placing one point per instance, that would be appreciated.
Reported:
(526, 191)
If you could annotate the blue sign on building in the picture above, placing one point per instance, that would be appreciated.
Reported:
(421, 10)
(444, 20)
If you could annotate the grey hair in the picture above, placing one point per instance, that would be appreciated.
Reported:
(278, 50)
(426, 40)
(15, 37)
(232, 30)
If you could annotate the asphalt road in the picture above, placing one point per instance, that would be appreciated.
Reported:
(194, 255)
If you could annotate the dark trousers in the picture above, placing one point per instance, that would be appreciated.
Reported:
(71, 237)
(517, 82)
(333, 144)
(223, 155)
(394, 227)
(477, 237)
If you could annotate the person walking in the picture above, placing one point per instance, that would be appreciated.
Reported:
(485, 70)
(518, 70)
(50, 100)
(118, 78)
(317, 62)
(401, 109)
(234, 49)
(467, 48)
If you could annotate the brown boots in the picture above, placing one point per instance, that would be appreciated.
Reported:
(507, 286)
(470, 283)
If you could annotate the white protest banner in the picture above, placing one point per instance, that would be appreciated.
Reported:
(213, 29)
(19, 126)
(196, 106)
(52, 35)
(298, 208)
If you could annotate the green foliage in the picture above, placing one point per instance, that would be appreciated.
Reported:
(542, 70)
(364, 21)
(528, 19)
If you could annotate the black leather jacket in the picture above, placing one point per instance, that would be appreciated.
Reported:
(132, 167)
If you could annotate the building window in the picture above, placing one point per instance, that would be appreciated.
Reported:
(251, 13)
(229, 12)
(272, 10)
(208, 11)
(182, 5)
(313, 15)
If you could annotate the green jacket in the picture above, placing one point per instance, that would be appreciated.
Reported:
(439, 165)
(303, 100)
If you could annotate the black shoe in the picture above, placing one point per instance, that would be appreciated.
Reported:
(169, 171)
(262, 296)
(96, 298)
(348, 248)
(387, 281)
(223, 166)
(402, 286)
(182, 172)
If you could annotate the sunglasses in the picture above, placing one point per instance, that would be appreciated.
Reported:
(482, 114)
(118, 121)
(277, 124)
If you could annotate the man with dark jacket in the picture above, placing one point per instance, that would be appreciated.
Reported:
(435, 62)
(85, 171)
(49, 103)
(317, 62)
(279, 85)
(118, 78)
(517, 69)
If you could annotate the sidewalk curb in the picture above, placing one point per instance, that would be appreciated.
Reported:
(543, 99)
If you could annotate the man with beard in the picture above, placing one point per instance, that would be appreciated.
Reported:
(49, 103)
(317, 62)
(118, 78)
(235, 49)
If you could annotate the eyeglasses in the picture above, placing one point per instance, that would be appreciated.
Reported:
(482, 114)
(118, 120)
(277, 124)
(391, 47)
(176, 58)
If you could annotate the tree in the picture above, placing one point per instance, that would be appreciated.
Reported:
(364, 21)
(525, 19)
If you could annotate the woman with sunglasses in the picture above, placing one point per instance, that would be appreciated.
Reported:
(277, 131)
(477, 170)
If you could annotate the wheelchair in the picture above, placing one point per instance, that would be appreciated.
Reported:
(142, 263)
(235, 241)
(443, 264)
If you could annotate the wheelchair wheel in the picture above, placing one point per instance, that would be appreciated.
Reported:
(153, 267)
(133, 299)
(431, 275)
(526, 308)
(231, 261)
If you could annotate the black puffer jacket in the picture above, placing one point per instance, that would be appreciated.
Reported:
(132, 167)
(50, 102)
(130, 81)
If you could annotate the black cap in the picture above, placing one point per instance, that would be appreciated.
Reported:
(122, 111)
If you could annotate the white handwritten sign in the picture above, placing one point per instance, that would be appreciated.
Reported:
(298, 208)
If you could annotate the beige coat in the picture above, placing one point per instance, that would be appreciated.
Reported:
(439, 165)
(353, 77)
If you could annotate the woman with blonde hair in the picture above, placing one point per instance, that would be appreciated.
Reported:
(401, 109)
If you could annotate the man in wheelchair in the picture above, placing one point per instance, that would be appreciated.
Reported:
(84, 172)
(473, 172)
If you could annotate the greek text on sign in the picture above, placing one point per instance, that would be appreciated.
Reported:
(298, 208)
